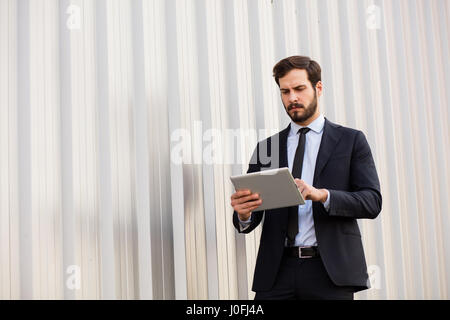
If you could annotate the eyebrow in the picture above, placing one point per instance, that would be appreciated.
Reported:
(297, 87)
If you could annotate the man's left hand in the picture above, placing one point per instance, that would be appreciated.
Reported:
(310, 193)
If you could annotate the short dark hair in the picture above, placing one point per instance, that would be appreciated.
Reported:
(298, 62)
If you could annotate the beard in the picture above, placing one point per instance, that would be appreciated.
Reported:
(309, 111)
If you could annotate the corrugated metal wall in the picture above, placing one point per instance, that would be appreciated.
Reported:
(97, 98)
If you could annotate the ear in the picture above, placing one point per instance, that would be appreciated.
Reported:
(319, 88)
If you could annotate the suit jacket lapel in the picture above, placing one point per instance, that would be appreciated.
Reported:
(282, 217)
(330, 137)
(283, 147)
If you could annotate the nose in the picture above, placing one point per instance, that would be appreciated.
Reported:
(292, 97)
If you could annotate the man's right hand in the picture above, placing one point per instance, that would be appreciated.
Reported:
(244, 202)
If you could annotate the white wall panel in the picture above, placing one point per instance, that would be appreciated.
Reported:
(188, 90)
(46, 232)
(98, 97)
(9, 210)
(82, 225)
(227, 285)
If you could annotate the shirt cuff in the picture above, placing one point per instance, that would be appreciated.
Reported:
(326, 204)
(244, 224)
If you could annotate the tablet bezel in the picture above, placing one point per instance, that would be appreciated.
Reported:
(276, 188)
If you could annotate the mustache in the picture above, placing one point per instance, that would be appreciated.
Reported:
(295, 105)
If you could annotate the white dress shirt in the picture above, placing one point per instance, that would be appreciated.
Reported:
(306, 235)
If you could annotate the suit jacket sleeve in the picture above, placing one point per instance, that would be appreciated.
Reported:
(364, 198)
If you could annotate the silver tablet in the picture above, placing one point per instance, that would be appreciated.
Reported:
(276, 188)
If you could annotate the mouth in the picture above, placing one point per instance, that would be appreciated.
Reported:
(296, 107)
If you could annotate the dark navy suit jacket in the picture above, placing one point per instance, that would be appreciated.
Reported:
(346, 168)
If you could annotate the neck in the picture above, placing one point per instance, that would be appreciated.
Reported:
(309, 120)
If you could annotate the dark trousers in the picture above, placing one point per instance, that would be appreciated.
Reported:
(304, 279)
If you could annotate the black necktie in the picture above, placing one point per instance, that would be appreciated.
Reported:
(296, 173)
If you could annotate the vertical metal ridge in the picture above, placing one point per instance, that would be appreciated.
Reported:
(109, 281)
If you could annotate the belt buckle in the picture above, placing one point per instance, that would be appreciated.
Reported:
(300, 253)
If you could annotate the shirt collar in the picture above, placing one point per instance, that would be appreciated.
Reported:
(316, 126)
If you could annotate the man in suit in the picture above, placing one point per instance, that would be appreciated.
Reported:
(311, 251)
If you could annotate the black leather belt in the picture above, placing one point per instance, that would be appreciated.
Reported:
(302, 252)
